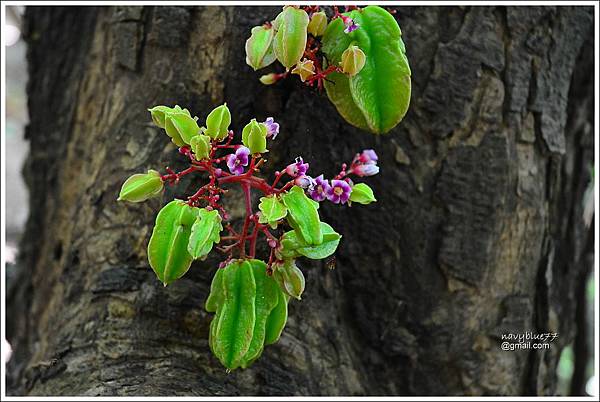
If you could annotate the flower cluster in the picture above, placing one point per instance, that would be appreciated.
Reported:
(338, 189)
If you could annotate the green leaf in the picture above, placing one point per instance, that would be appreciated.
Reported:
(141, 187)
(217, 293)
(243, 297)
(362, 193)
(236, 316)
(272, 210)
(293, 246)
(290, 278)
(268, 79)
(217, 122)
(159, 113)
(303, 216)
(377, 98)
(205, 233)
(318, 24)
(290, 37)
(277, 319)
(200, 145)
(254, 136)
(259, 47)
(181, 128)
(167, 249)
(267, 297)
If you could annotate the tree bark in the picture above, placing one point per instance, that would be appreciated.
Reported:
(477, 231)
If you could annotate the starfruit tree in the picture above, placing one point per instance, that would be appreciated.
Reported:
(358, 57)
(249, 294)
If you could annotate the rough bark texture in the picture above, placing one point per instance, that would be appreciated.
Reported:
(477, 231)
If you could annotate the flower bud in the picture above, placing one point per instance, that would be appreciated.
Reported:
(368, 169)
(290, 278)
(200, 146)
(305, 69)
(268, 79)
(368, 156)
(254, 136)
(217, 122)
(259, 49)
(298, 168)
(160, 112)
(317, 24)
(272, 128)
(141, 187)
(362, 193)
(353, 60)
(181, 127)
(305, 182)
(290, 37)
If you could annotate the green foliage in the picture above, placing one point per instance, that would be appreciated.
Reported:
(359, 57)
(272, 210)
(303, 216)
(249, 298)
(217, 122)
(292, 246)
(205, 233)
(247, 303)
(141, 187)
(377, 98)
(353, 60)
(159, 113)
(290, 278)
(259, 47)
(200, 145)
(168, 247)
(181, 128)
(290, 37)
(277, 319)
(317, 24)
(362, 194)
(254, 136)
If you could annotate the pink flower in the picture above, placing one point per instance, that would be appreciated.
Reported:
(272, 127)
(368, 169)
(350, 24)
(339, 192)
(319, 191)
(299, 168)
(237, 161)
(365, 163)
(368, 156)
(305, 182)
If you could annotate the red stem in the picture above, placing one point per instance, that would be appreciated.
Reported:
(174, 177)
(246, 189)
(253, 238)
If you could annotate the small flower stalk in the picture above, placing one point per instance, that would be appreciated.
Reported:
(254, 289)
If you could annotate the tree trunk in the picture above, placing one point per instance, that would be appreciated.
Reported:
(477, 231)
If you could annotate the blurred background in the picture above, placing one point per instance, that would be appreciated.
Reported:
(17, 149)
(16, 146)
